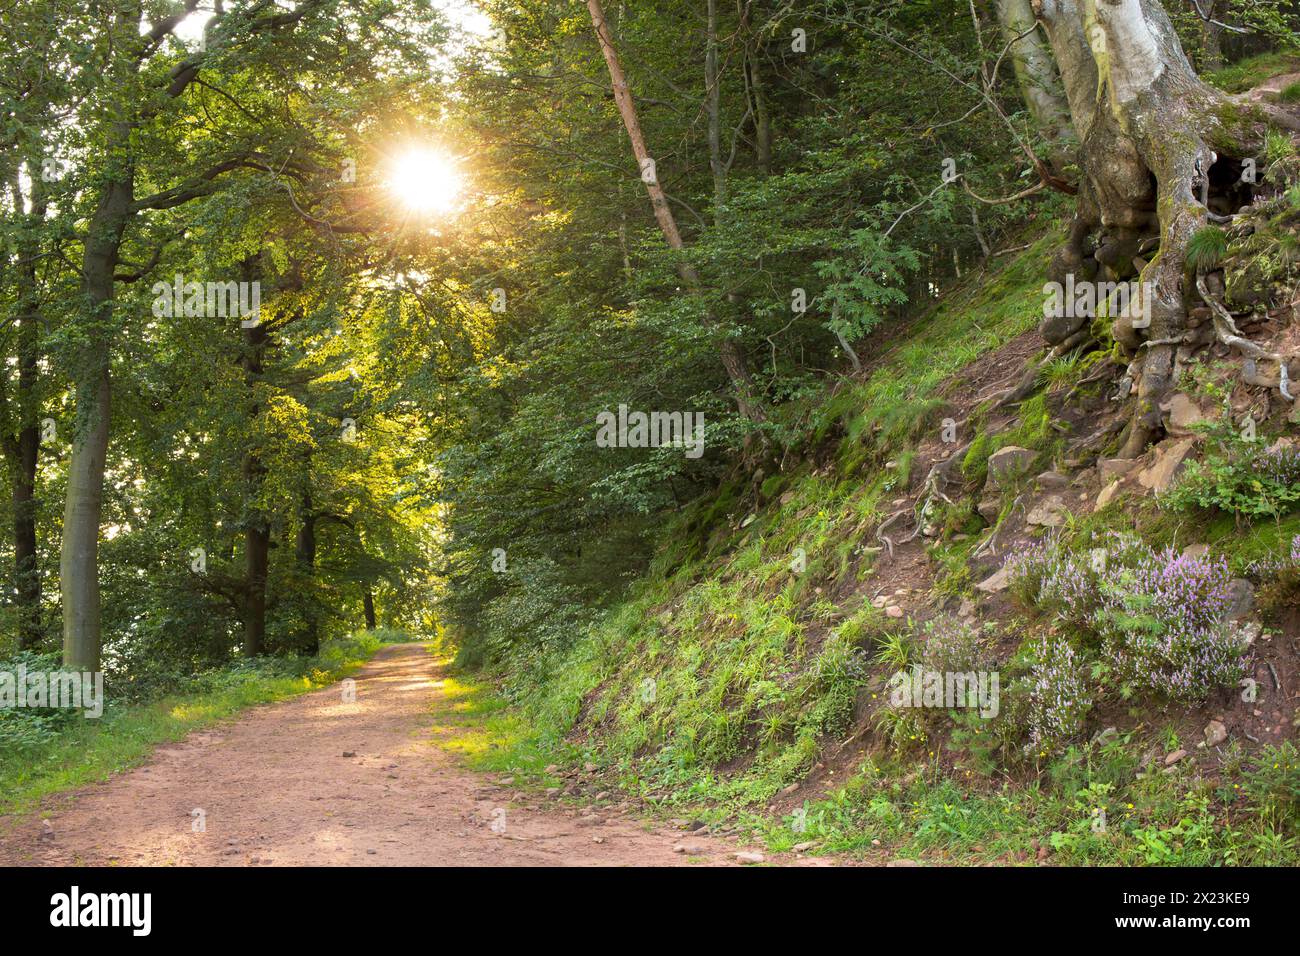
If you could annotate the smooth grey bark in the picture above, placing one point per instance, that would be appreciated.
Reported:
(1037, 77)
(83, 507)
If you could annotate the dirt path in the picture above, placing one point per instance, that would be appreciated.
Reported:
(315, 781)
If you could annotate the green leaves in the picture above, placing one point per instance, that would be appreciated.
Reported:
(862, 286)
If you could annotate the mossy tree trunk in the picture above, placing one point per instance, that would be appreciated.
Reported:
(1150, 130)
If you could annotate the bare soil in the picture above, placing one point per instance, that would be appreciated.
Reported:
(314, 781)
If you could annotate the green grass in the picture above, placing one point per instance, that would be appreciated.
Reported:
(898, 399)
(1250, 72)
(919, 810)
(751, 666)
(89, 751)
(1097, 813)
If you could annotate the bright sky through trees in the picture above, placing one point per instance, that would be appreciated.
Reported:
(424, 180)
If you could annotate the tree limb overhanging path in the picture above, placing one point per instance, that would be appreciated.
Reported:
(316, 781)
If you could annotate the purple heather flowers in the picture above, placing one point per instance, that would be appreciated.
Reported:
(1059, 699)
(1158, 616)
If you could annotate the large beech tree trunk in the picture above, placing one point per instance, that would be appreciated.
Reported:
(1149, 131)
(83, 507)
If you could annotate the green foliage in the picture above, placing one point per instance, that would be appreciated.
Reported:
(1242, 477)
(1249, 72)
(951, 644)
(1273, 786)
(24, 730)
(1058, 694)
(828, 240)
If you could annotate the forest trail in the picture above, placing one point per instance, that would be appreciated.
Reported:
(316, 781)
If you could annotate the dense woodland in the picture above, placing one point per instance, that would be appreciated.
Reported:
(258, 150)
(735, 208)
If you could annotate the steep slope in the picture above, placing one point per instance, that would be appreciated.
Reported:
(754, 671)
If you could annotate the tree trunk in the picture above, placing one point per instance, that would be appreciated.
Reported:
(1211, 35)
(753, 69)
(368, 605)
(1150, 131)
(733, 359)
(762, 118)
(257, 544)
(305, 553)
(27, 579)
(713, 107)
(257, 532)
(83, 508)
(1038, 79)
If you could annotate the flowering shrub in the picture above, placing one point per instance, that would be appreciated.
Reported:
(1275, 564)
(1162, 622)
(1059, 699)
(1158, 615)
(953, 645)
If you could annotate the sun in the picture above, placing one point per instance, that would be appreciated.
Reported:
(425, 181)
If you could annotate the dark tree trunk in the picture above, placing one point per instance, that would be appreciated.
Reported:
(368, 605)
(305, 553)
(1212, 34)
(257, 534)
(762, 118)
(23, 447)
(257, 545)
(27, 580)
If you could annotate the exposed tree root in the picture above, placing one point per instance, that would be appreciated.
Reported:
(989, 545)
(1029, 381)
(936, 479)
(880, 531)
(1225, 329)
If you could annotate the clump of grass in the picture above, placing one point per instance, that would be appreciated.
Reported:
(1207, 247)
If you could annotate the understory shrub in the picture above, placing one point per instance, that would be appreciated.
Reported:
(952, 645)
(1240, 477)
(1281, 579)
(23, 728)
